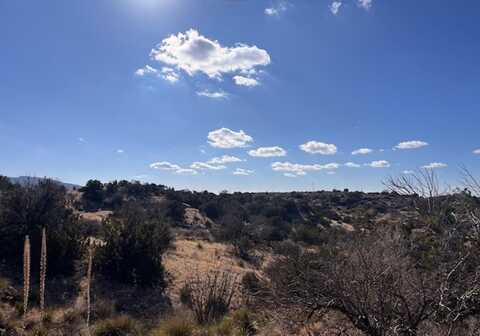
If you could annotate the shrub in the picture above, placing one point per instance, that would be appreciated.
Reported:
(26, 211)
(244, 320)
(175, 327)
(118, 326)
(211, 295)
(135, 242)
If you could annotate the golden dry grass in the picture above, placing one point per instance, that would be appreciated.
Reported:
(192, 256)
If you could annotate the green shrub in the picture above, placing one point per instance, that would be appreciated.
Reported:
(175, 327)
(135, 242)
(118, 326)
(26, 210)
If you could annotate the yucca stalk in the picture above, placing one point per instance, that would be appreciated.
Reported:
(26, 274)
(43, 270)
(89, 280)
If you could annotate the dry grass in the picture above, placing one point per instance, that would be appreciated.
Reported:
(190, 257)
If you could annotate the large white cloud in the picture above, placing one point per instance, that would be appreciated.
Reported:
(245, 81)
(226, 138)
(243, 172)
(413, 144)
(435, 165)
(379, 164)
(193, 53)
(268, 152)
(315, 147)
(301, 169)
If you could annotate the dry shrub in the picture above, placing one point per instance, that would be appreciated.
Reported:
(211, 295)
(176, 326)
(122, 325)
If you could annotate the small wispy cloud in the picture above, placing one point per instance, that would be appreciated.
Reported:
(301, 169)
(435, 165)
(245, 81)
(224, 159)
(204, 166)
(379, 164)
(408, 172)
(120, 151)
(243, 172)
(315, 147)
(146, 70)
(277, 9)
(412, 144)
(170, 75)
(352, 165)
(213, 94)
(168, 166)
(335, 7)
(226, 138)
(362, 151)
(81, 140)
(274, 151)
(365, 4)
(476, 151)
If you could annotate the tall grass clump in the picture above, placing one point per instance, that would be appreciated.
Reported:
(43, 270)
(26, 275)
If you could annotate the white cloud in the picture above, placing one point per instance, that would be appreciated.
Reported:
(186, 171)
(120, 151)
(413, 144)
(352, 165)
(205, 165)
(165, 165)
(362, 151)
(301, 169)
(268, 152)
(290, 175)
(146, 70)
(213, 94)
(379, 164)
(435, 165)
(193, 53)
(170, 75)
(408, 172)
(224, 159)
(315, 147)
(245, 81)
(226, 138)
(476, 151)
(366, 4)
(244, 172)
(276, 10)
(335, 7)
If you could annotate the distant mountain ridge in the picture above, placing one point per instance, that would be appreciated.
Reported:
(25, 180)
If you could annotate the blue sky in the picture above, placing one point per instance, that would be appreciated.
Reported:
(239, 95)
